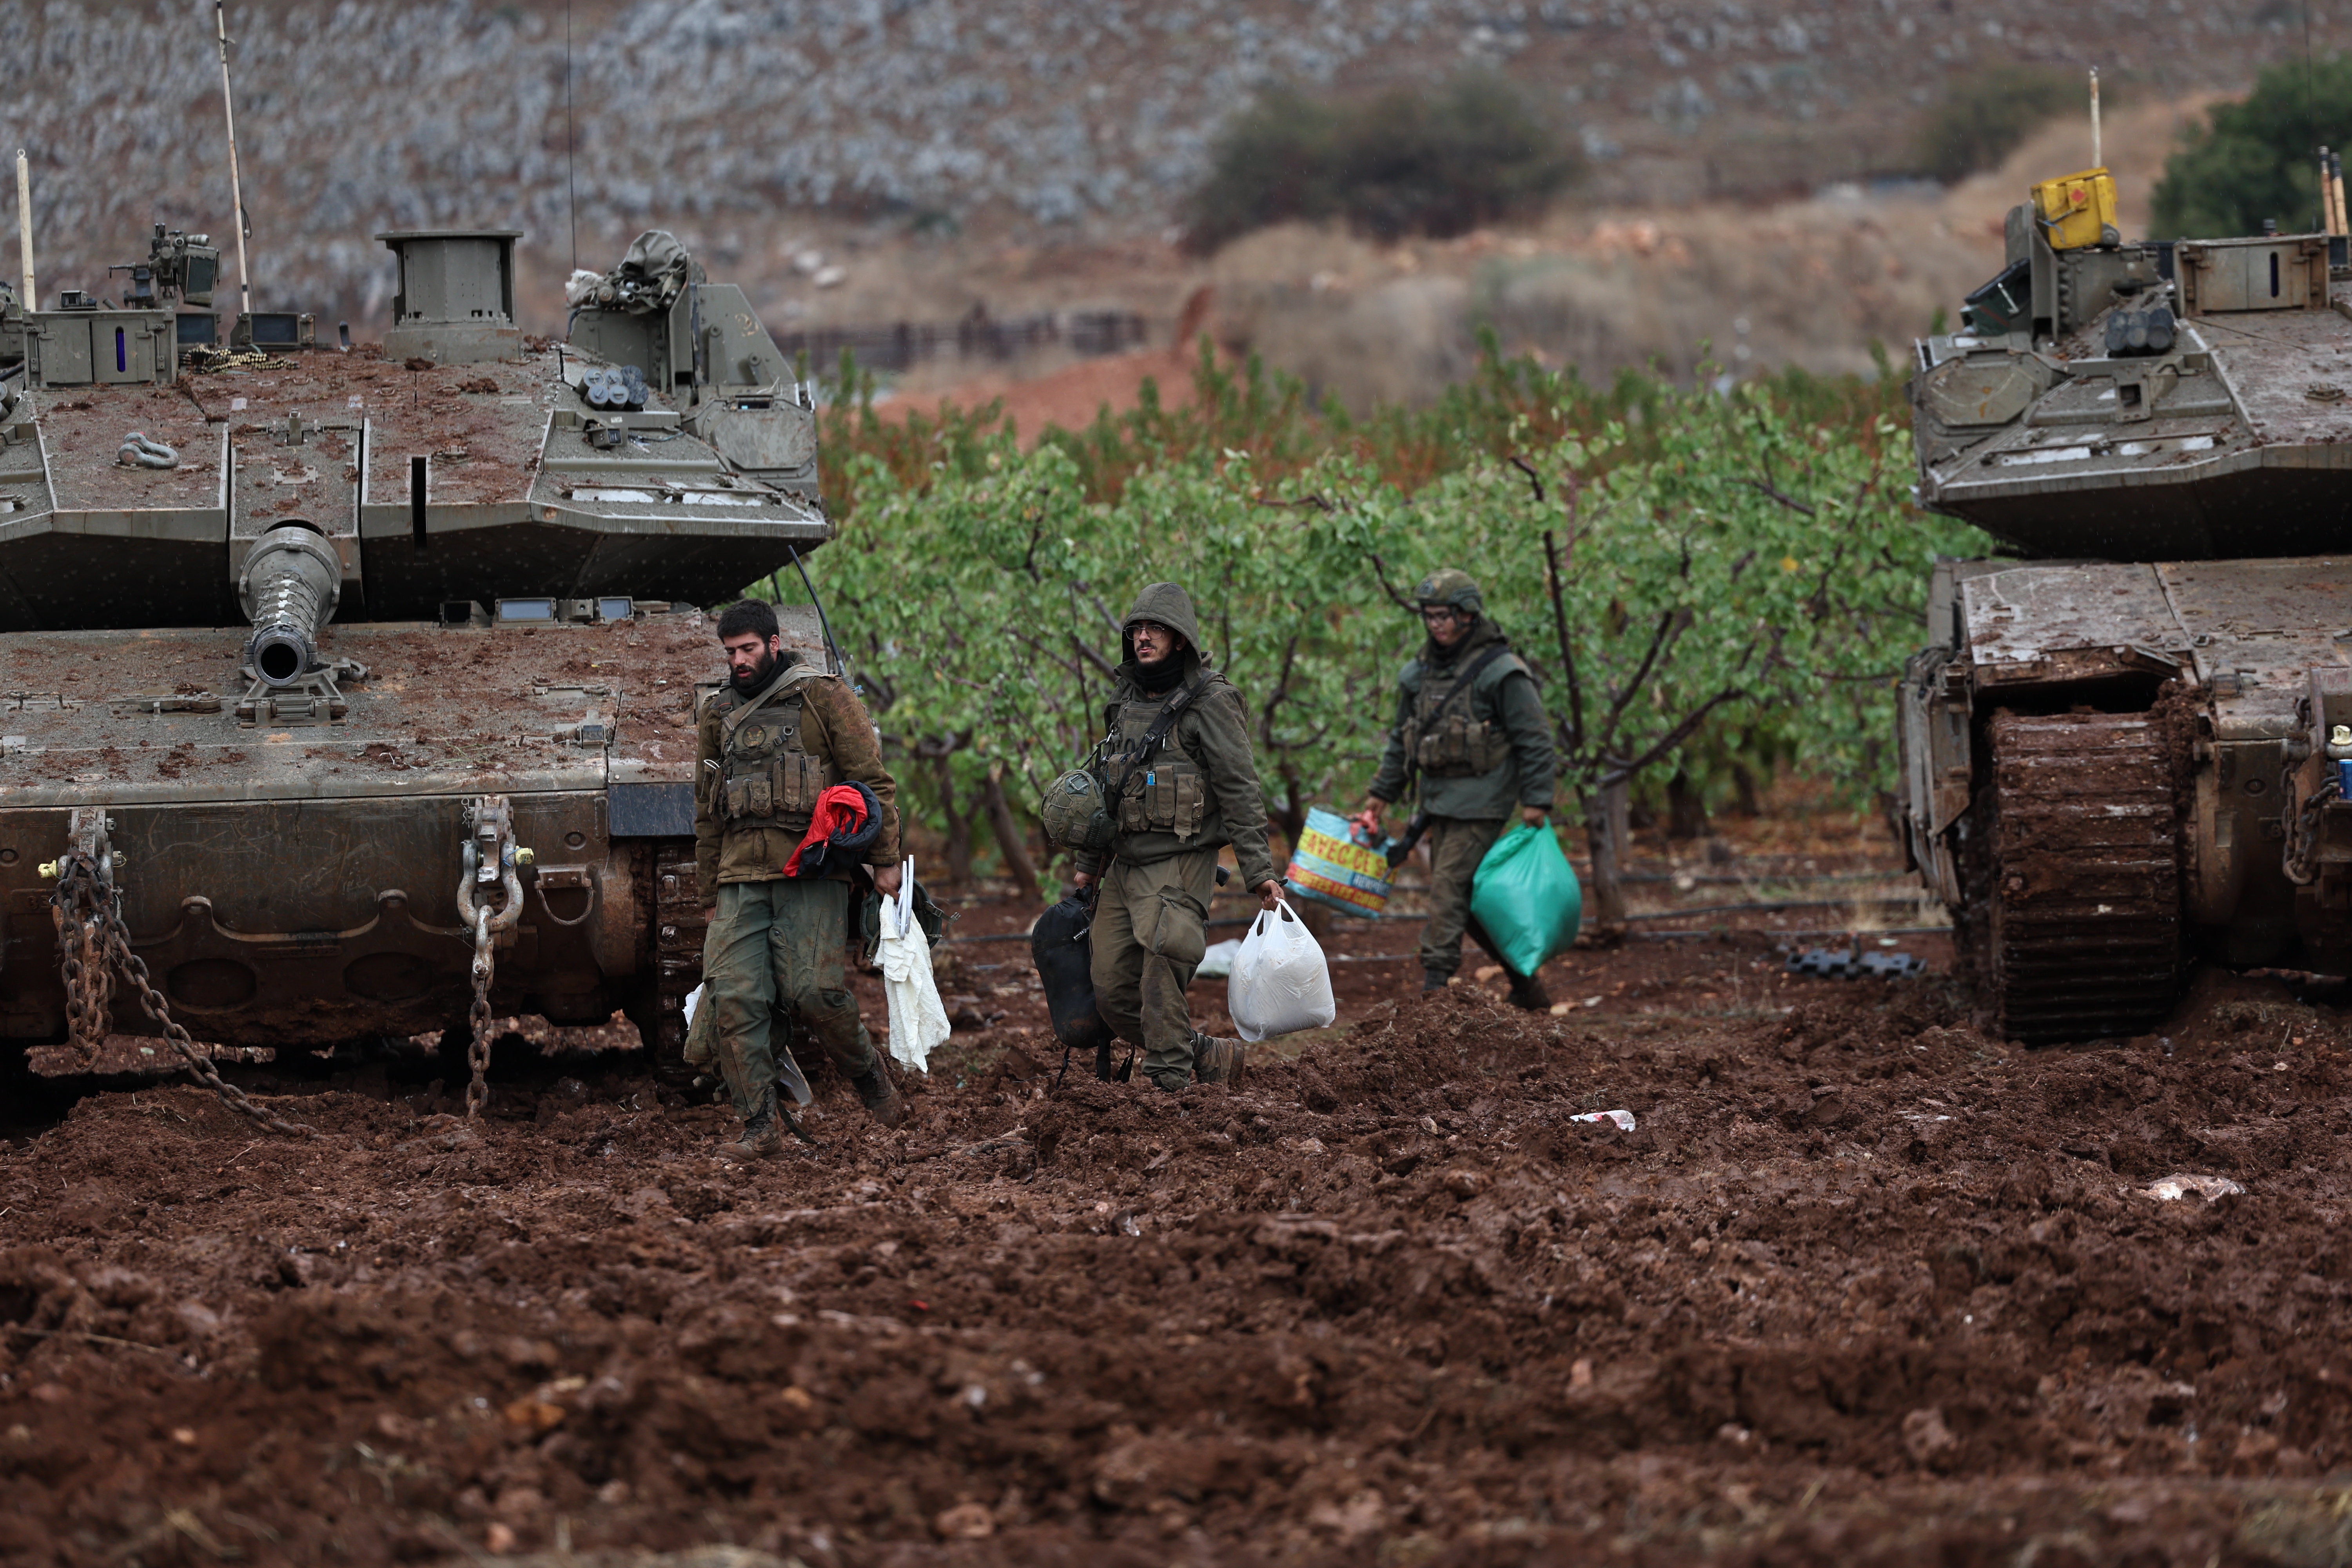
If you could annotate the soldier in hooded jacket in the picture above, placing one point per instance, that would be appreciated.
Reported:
(1470, 735)
(768, 744)
(1176, 803)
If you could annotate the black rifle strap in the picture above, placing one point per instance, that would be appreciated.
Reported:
(1462, 684)
(1173, 709)
(1466, 680)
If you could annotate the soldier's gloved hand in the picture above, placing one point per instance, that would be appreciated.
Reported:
(1533, 815)
(1269, 893)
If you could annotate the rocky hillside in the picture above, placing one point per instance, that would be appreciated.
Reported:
(740, 123)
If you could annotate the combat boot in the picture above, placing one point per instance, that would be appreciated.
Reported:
(1435, 980)
(1217, 1061)
(1529, 995)
(763, 1139)
(880, 1095)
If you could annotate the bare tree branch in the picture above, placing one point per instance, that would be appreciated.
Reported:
(1575, 735)
(1381, 570)
(1675, 737)
(1661, 639)
(1766, 488)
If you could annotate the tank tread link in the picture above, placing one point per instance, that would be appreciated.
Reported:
(2127, 749)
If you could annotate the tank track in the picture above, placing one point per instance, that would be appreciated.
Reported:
(2084, 936)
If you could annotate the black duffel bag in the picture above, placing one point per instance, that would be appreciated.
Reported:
(1064, 960)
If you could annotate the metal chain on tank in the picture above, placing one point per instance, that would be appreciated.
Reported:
(94, 941)
(478, 1050)
(80, 913)
(491, 858)
(2303, 831)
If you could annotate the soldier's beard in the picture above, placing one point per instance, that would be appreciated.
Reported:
(752, 684)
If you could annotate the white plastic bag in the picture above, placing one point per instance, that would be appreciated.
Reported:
(918, 1023)
(1280, 983)
(1217, 964)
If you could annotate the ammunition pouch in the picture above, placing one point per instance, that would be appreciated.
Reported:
(768, 779)
(1461, 747)
(1168, 794)
(1446, 742)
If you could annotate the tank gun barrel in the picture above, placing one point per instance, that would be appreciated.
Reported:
(289, 589)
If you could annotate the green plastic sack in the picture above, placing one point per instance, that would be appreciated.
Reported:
(1526, 896)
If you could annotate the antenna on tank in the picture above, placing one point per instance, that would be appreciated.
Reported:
(570, 142)
(2098, 158)
(24, 226)
(236, 185)
(840, 664)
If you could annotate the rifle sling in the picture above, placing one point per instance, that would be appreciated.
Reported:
(1462, 684)
(791, 675)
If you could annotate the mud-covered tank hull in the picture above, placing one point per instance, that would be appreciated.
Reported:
(281, 923)
(2111, 770)
(295, 883)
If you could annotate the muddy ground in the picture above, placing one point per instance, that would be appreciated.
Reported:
(1863, 1286)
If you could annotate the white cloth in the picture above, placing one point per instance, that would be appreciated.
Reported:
(1280, 983)
(919, 1022)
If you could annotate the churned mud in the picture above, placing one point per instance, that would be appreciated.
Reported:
(1862, 1286)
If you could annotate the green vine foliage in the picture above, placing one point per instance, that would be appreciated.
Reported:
(1674, 564)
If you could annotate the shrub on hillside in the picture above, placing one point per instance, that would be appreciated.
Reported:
(2257, 158)
(1439, 162)
(1984, 116)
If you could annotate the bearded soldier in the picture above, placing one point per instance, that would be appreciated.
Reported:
(1180, 782)
(1471, 730)
(775, 738)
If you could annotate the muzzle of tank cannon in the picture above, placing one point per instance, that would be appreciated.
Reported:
(289, 589)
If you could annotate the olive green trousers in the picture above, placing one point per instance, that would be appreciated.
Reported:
(1150, 928)
(1457, 845)
(774, 952)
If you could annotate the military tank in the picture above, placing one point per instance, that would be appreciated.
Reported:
(363, 673)
(2121, 754)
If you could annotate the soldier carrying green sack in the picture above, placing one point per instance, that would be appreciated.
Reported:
(1470, 735)
(769, 745)
(1172, 783)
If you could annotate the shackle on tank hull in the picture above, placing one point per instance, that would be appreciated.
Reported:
(289, 590)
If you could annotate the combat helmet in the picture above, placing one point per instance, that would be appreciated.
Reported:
(1447, 586)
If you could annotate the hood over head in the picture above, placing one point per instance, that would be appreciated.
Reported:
(1168, 604)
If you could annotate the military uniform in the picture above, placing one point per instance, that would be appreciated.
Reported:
(1194, 793)
(776, 942)
(1471, 731)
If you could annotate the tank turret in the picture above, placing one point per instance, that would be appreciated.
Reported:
(2120, 754)
(2176, 399)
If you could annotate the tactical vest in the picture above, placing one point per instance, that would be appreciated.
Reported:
(1446, 742)
(766, 777)
(1166, 791)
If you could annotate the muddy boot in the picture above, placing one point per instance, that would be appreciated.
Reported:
(1217, 1061)
(1173, 1083)
(880, 1095)
(763, 1138)
(1528, 993)
(1434, 980)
